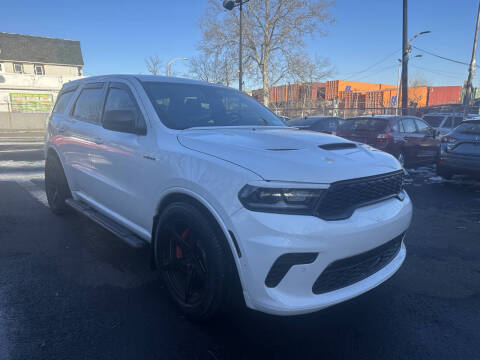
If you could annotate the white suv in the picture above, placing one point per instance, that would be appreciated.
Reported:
(226, 195)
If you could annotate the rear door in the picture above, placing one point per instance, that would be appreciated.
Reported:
(82, 134)
(428, 144)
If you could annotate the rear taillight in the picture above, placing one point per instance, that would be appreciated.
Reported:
(384, 137)
(449, 139)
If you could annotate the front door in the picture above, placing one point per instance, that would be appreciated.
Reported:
(428, 144)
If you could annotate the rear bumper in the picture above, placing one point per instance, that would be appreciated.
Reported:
(460, 164)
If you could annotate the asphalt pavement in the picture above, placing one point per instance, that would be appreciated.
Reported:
(71, 290)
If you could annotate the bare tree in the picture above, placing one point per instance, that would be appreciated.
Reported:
(273, 32)
(154, 64)
(214, 68)
(415, 92)
(305, 71)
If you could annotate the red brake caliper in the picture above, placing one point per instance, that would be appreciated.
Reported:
(178, 249)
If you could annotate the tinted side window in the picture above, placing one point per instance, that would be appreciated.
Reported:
(409, 126)
(62, 102)
(89, 104)
(120, 99)
(423, 128)
(398, 127)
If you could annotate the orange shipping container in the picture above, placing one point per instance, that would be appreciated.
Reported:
(334, 87)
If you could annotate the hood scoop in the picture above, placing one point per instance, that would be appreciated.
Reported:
(338, 146)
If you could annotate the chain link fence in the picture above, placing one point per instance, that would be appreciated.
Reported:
(293, 110)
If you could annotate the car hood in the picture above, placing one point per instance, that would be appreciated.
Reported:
(289, 154)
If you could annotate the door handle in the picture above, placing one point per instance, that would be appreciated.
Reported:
(98, 141)
(61, 130)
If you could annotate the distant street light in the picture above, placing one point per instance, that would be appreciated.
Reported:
(229, 5)
(172, 61)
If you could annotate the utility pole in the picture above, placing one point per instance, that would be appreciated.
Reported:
(398, 86)
(405, 50)
(471, 71)
(229, 5)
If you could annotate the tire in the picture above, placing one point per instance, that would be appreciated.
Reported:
(56, 186)
(194, 260)
(401, 158)
(443, 172)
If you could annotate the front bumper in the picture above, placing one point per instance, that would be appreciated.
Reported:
(264, 237)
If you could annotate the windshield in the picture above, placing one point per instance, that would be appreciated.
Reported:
(183, 106)
(301, 122)
(364, 124)
(471, 127)
(433, 121)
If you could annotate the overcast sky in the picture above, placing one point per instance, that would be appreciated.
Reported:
(116, 36)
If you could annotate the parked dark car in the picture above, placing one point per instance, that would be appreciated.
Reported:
(325, 124)
(460, 150)
(410, 139)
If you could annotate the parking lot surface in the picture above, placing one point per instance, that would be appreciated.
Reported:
(71, 290)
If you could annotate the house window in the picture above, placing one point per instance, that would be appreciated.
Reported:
(18, 68)
(39, 70)
(1, 69)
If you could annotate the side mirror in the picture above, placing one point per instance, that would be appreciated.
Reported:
(121, 121)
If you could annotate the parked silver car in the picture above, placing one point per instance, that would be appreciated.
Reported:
(445, 122)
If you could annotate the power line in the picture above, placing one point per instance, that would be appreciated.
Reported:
(438, 72)
(441, 57)
(371, 66)
(376, 71)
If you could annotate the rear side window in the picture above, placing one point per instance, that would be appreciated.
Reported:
(434, 121)
(62, 102)
(89, 104)
(409, 126)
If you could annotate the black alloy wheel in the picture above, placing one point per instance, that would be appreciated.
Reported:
(184, 264)
(195, 261)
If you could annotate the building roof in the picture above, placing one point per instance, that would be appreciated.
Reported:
(27, 48)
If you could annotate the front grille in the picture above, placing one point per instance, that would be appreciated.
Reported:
(343, 197)
(350, 270)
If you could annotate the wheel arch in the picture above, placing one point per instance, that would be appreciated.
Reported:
(184, 195)
(52, 151)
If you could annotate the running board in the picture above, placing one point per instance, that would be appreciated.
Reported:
(119, 230)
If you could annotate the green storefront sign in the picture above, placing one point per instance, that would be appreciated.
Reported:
(31, 103)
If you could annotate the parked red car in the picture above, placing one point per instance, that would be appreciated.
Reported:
(410, 139)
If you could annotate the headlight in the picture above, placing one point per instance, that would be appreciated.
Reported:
(283, 200)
